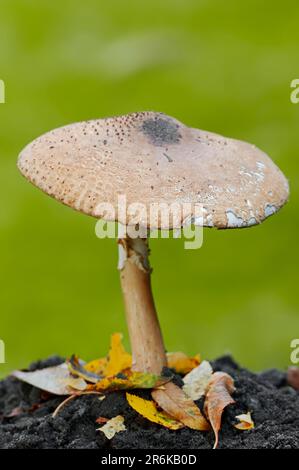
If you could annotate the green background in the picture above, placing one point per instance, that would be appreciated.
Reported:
(225, 66)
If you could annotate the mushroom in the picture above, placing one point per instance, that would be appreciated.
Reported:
(150, 157)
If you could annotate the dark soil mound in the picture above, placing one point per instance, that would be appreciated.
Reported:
(26, 420)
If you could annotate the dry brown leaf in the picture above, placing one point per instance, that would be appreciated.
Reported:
(218, 397)
(181, 363)
(113, 426)
(245, 422)
(293, 377)
(56, 380)
(196, 381)
(175, 402)
(148, 410)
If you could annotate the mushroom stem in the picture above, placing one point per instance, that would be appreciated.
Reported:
(148, 351)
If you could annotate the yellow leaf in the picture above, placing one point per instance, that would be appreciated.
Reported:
(130, 380)
(117, 360)
(178, 405)
(181, 363)
(245, 422)
(97, 366)
(148, 410)
(113, 426)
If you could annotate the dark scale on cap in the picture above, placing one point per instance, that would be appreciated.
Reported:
(161, 131)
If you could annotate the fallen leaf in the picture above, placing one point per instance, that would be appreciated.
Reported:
(130, 380)
(293, 377)
(148, 410)
(178, 405)
(218, 397)
(196, 381)
(77, 368)
(117, 360)
(101, 420)
(181, 363)
(56, 380)
(97, 366)
(113, 426)
(245, 422)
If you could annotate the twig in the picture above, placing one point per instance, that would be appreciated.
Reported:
(71, 397)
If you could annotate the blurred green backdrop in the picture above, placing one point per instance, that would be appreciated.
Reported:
(224, 66)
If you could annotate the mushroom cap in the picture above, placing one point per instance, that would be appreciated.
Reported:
(151, 158)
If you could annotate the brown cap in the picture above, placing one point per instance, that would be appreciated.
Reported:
(153, 158)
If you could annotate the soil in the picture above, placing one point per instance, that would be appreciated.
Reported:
(26, 417)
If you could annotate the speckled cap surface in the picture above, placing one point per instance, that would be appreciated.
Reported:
(151, 158)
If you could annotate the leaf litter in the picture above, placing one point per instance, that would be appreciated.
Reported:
(113, 426)
(171, 406)
(245, 422)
